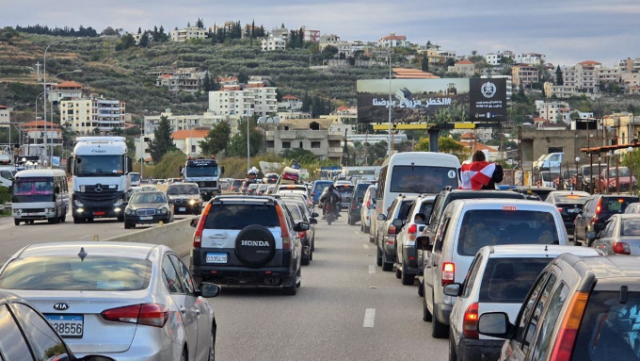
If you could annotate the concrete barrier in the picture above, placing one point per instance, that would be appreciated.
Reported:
(176, 235)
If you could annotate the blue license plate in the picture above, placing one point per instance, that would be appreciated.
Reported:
(67, 325)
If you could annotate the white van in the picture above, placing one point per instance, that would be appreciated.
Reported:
(550, 162)
(40, 194)
(6, 175)
(470, 224)
(413, 174)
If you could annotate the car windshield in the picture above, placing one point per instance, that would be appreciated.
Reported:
(494, 227)
(586, 171)
(507, 280)
(239, 216)
(418, 179)
(548, 177)
(203, 171)
(135, 177)
(320, 186)
(99, 165)
(148, 197)
(345, 190)
(72, 273)
(621, 172)
(615, 204)
(182, 189)
(610, 329)
(36, 189)
(361, 189)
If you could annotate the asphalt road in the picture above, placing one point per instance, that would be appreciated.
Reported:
(13, 238)
(342, 311)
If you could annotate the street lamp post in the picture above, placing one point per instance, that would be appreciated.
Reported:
(575, 185)
(631, 183)
(390, 105)
(51, 117)
(617, 154)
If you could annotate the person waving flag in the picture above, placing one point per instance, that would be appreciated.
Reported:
(480, 174)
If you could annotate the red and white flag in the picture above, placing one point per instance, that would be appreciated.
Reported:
(476, 174)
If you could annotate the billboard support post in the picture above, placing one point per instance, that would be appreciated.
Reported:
(434, 134)
(390, 76)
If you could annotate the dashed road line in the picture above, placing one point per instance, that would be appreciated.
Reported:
(365, 246)
(372, 269)
(369, 317)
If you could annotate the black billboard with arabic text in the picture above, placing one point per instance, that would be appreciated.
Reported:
(419, 100)
(488, 99)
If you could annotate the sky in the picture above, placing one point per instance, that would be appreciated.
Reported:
(567, 31)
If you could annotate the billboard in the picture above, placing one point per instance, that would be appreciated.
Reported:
(488, 99)
(418, 100)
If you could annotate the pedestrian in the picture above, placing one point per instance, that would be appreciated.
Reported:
(480, 174)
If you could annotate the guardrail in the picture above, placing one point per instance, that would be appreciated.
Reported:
(176, 235)
(5, 206)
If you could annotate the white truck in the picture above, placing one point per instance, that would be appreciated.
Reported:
(100, 170)
(204, 172)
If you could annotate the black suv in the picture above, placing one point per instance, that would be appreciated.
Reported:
(579, 308)
(185, 198)
(595, 213)
(248, 240)
(353, 212)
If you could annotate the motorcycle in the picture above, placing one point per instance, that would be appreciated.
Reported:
(330, 213)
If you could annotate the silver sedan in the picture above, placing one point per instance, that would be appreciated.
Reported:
(128, 301)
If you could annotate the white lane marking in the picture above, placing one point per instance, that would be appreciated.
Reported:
(369, 317)
(365, 246)
(86, 236)
(356, 232)
(372, 269)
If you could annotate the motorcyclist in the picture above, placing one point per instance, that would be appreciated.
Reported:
(330, 196)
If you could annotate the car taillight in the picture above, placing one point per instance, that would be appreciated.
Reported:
(368, 204)
(563, 348)
(560, 209)
(284, 231)
(470, 322)
(448, 273)
(197, 237)
(412, 231)
(621, 248)
(302, 234)
(150, 314)
(391, 230)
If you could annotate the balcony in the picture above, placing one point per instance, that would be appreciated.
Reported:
(287, 135)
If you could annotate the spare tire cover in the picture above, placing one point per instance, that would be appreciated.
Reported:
(255, 246)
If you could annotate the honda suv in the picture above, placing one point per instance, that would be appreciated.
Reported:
(579, 308)
(247, 240)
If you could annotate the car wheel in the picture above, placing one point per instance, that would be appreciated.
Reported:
(77, 220)
(453, 356)
(439, 329)
(184, 357)
(64, 216)
(16, 222)
(120, 218)
(421, 289)
(378, 257)
(366, 229)
(212, 345)
(386, 266)
(426, 315)
(398, 272)
(305, 260)
(407, 279)
(52, 220)
(127, 225)
(293, 289)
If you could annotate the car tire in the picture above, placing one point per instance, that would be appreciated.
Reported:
(120, 218)
(366, 229)
(351, 222)
(255, 255)
(212, 345)
(407, 279)
(426, 315)
(77, 220)
(421, 289)
(305, 260)
(127, 225)
(453, 355)
(386, 266)
(52, 220)
(16, 222)
(64, 216)
(293, 289)
(439, 329)
(398, 272)
(378, 257)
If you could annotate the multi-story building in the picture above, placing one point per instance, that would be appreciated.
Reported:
(629, 65)
(524, 74)
(65, 90)
(191, 32)
(35, 132)
(252, 99)
(530, 58)
(86, 115)
(607, 75)
(464, 67)
(185, 79)
(509, 82)
(559, 91)
(281, 33)
(493, 58)
(310, 134)
(5, 115)
(188, 141)
(392, 41)
(289, 102)
(328, 39)
(582, 76)
(625, 127)
(188, 122)
(555, 112)
(270, 44)
(312, 36)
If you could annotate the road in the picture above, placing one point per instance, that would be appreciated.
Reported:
(343, 311)
(13, 238)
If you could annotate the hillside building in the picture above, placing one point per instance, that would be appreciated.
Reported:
(192, 32)
(84, 116)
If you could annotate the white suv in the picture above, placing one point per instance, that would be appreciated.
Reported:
(407, 256)
(498, 280)
(245, 240)
(470, 224)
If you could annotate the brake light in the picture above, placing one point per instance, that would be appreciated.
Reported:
(560, 209)
(284, 231)
(150, 314)
(470, 322)
(448, 273)
(391, 230)
(197, 237)
(302, 234)
(621, 248)
(413, 229)
(368, 204)
(563, 348)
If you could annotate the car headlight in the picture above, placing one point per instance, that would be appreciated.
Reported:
(78, 203)
(129, 211)
(192, 201)
(118, 203)
(162, 210)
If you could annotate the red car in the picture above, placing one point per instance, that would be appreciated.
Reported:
(617, 174)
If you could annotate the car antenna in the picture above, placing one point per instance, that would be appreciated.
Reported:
(82, 254)
(546, 248)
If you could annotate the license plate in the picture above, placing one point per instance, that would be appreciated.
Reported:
(148, 218)
(98, 213)
(216, 258)
(182, 209)
(575, 210)
(67, 325)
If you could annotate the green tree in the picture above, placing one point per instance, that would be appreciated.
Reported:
(445, 145)
(238, 144)
(559, 79)
(217, 139)
(162, 142)
(425, 63)
(200, 24)
(301, 155)
(376, 152)
(330, 52)
(144, 40)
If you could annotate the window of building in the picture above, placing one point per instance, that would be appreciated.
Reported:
(315, 144)
(286, 145)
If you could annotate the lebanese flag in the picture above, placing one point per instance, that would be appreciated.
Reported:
(476, 174)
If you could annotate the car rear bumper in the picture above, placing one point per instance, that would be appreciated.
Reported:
(188, 208)
(410, 260)
(443, 311)
(479, 350)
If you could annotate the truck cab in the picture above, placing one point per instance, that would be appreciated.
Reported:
(205, 173)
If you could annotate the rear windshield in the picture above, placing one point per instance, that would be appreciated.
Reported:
(630, 227)
(345, 190)
(403, 212)
(361, 189)
(485, 227)
(320, 186)
(71, 273)
(571, 199)
(610, 330)
(507, 280)
(426, 208)
(239, 216)
(615, 204)
(236, 183)
(419, 179)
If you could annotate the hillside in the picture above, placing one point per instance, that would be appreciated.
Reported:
(130, 74)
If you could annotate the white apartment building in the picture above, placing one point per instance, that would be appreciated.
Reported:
(67, 89)
(509, 82)
(289, 102)
(5, 115)
(282, 33)
(607, 75)
(85, 115)
(186, 79)
(192, 32)
(530, 58)
(188, 141)
(36, 134)
(582, 76)
(254, 99)
(493, 58)
(392, 41)
(271, 44)
(309, 35)
(187, 122)
(629, 65)
(554, 112)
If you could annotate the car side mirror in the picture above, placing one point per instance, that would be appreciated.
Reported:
(382, 217)
(495, 324)
(453, 290)
(313, 221)
(209, 290)
(314, 215)
(301, 227)
(591, 236)
(194, 222)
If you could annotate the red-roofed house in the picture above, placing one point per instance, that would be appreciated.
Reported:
(406, 73)
(392, 41)
(35, 132)
(5, 115)
(464, 67)
(188, 141)
(65, 90)
(290, 103)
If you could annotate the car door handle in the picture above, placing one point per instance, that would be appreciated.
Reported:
(196, 310)
(182, 310)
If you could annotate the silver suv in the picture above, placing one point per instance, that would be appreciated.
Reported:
(408, 259)
(247, 240)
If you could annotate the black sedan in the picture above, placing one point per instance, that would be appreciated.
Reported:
(569, 205)
(147, 208)
(185, 198)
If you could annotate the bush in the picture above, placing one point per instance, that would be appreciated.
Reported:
(5, 195)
